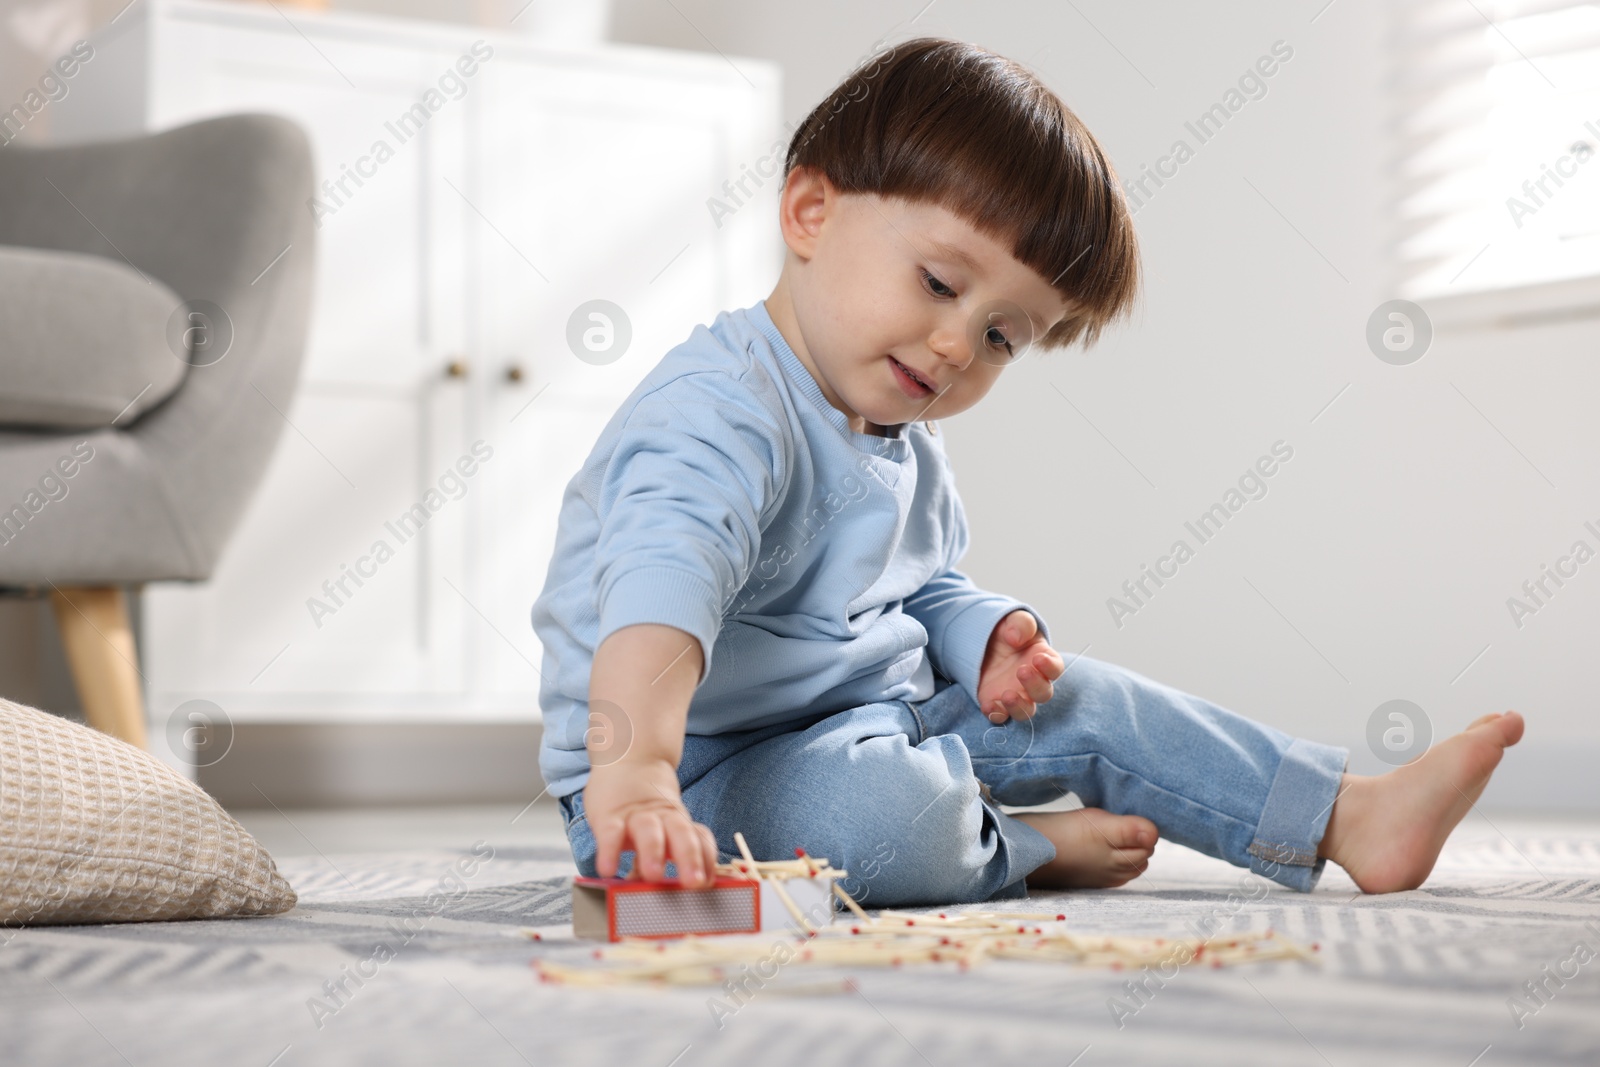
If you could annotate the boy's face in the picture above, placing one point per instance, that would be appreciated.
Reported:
(881, 285)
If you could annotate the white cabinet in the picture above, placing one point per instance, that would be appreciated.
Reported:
(545, 179)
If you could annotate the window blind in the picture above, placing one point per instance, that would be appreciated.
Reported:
(1497, 115)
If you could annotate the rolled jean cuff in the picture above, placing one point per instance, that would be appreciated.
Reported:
(1028, 850)
(1296, 813)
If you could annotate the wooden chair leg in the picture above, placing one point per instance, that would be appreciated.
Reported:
(98, 638)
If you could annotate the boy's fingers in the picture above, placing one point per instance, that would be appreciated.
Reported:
(1025, 710)
(685, 846)
(1050, 664)
(708, 848)
(608, 846)
(1022, 627)
(649, 842)
(1037, 685)
(1017, 706)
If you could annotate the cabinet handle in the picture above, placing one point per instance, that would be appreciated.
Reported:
(514, 373)
(456, 368)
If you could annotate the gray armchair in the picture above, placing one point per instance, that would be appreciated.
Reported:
(155, 299)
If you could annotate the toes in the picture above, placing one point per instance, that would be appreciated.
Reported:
(1134, 832)
(1511, 727)
(1133, 859)
(1123, 831)
(1507, 726)
(1129, 863)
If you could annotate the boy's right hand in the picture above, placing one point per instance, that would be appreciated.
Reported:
(636, 804)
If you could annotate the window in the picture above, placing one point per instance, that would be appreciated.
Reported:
(1498, 118)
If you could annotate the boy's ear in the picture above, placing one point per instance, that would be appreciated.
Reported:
(808, 197)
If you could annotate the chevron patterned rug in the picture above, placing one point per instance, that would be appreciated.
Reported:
(414, 957)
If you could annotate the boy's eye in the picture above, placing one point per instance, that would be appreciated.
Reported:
(1000, 333)
(937, 287)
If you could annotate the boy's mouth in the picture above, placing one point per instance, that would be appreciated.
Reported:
(909, 382)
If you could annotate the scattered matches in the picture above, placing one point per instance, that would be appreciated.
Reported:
(962, 939)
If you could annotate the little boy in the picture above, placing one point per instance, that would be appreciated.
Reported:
(753, 619)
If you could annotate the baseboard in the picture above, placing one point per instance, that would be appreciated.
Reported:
(303, 765)
(336, 765)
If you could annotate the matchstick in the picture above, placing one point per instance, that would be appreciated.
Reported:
(850, 903)
(777, 886)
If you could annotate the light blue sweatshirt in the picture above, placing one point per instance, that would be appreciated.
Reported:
(728, 498)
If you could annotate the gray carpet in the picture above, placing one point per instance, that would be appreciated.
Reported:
(1415, 978)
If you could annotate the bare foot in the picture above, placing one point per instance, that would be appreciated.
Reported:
(1387, 831)
(1094, 849)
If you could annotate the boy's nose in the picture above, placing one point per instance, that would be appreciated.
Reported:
(952, 347)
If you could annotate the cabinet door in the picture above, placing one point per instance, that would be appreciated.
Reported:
(591, 184)
(283, 627)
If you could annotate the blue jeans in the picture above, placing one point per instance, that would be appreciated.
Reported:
(905, 797)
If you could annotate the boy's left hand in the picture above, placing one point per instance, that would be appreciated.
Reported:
(1018, 667)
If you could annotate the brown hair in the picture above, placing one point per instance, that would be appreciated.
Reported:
(978, 134)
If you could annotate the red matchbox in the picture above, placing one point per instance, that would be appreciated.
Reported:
(610, 909)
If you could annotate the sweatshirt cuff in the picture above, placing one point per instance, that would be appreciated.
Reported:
(967, 637)
(668, 596)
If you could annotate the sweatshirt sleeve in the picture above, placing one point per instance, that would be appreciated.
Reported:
(681, 503)
(960, 617)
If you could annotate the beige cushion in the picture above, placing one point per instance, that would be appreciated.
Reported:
(94, 830)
